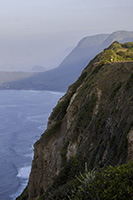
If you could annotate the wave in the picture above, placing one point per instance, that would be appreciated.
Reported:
(42, 128)
(58, 93)
(19, 191)
(35, 118)
(23, 175)
(24, 172)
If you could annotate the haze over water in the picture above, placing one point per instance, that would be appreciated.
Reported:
(42, 33)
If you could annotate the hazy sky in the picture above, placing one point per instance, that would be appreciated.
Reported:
(41, 32)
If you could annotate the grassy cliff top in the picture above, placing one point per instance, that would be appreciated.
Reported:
(116, 52)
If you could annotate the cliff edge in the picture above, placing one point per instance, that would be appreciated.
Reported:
(92, 123)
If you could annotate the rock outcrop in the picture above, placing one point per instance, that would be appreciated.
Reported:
(92, 123)
(130, 145)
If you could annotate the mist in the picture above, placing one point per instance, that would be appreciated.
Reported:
(42, 33)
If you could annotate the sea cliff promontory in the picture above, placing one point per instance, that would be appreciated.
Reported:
(92, 126)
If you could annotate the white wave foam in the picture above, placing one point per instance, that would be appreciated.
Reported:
(30, 154)
(57, 93)
(35, 118)
(19, 191)
(42, 128)
(24, 172)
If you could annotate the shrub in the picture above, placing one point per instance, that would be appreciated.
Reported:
(112, 183)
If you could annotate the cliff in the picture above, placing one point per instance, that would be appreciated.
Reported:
(92, 123)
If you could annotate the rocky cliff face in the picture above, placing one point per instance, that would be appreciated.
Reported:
(92, 123)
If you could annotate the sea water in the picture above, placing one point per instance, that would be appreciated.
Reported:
(23, 118)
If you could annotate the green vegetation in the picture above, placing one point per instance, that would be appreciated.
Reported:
(113, 183)
(128, 45)
(60, 110)
(64, 151)
(129, 83)
(65, 181)
(117, 52)
(84, 116)
(115, 90)
(49, 132)
(79, 81)
(96, 70)
(111, 56)
(115, 46)
(63, 192)
(68, 173)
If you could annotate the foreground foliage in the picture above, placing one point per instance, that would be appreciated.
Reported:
(113, 183)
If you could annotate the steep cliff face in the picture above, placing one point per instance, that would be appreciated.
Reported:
(92, 123)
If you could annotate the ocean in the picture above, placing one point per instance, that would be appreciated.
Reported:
(23, 118)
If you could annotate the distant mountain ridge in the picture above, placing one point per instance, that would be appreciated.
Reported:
(60, 78)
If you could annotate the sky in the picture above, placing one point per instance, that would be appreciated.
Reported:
(43, 32)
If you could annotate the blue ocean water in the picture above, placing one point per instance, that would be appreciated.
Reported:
(23, 118)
